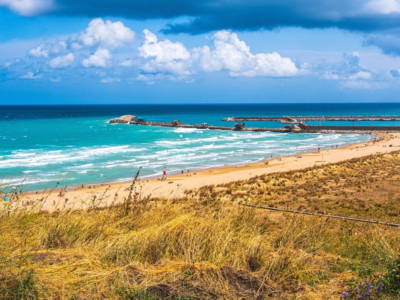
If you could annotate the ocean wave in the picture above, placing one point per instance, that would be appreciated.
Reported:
(219, 138)
(22, 181)
(35, 159)
(108, 150)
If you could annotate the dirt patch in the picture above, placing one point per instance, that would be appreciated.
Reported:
(181, 290)
(246, 285)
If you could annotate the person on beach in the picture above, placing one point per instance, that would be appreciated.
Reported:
(164, 175)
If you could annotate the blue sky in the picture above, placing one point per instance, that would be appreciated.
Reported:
(154, 51)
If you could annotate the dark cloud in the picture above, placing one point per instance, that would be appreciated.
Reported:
(208, 15)
(136, 9)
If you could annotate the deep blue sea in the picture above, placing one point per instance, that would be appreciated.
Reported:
(41, 146)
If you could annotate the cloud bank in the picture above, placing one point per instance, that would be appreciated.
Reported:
(211, 15)
(111, 52)
(107, 48)
(378, 19)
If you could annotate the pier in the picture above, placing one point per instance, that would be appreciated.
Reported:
(312, 128)
(177, 124)
(295, 125)
(298, 119)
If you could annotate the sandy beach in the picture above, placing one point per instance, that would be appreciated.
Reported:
(175, 186)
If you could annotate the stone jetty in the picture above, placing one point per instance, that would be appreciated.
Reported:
(299, 119)
(176, 123)
(298, 127)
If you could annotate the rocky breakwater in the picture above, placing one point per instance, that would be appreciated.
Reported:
(126, 119)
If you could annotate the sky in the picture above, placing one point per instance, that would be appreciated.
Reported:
(199, 51)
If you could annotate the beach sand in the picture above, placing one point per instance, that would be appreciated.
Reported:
(175, 186)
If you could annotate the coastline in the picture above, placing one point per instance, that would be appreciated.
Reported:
(128, 180)
(176, 185)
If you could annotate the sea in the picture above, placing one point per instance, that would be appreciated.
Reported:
(43, 147)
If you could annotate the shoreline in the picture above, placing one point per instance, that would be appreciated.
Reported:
(175, 185)
(374, 137)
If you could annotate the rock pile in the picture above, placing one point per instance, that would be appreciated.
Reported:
(123, 119)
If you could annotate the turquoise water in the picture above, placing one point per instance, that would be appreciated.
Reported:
(49, 146)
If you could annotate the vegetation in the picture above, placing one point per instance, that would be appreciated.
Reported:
(207, 246)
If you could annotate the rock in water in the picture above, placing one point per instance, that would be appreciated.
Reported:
(123, 119)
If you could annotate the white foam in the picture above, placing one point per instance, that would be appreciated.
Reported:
(219, 138)
(30, 171)
(23, 181)
(187, 130)
(35, 159)
(80, 167)
(87, 152)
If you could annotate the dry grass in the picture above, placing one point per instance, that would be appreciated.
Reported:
(206, 246)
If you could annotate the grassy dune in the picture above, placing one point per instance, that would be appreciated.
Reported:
(207, 246)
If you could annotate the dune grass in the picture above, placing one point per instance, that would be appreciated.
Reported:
(207, 246)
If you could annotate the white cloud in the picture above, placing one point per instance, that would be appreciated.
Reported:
(383, 6)
(62, 61)
(165, 56)
(270, 64)
(234, 55)
(39, 52)
(229, 53)
(28, 7)
(361, 75)
(127, 63)
(106, 34)
(50, 49)
(101, 58)
(93, 47)
(351, 74)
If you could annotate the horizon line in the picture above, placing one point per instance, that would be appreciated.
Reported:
(198, 103)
